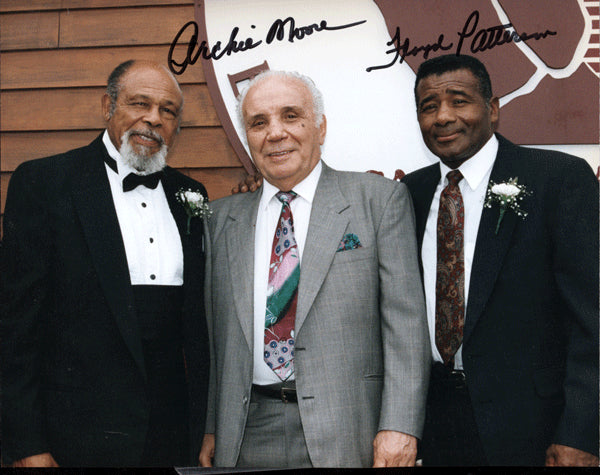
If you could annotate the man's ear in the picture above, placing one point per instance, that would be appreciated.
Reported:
(322, 130)
(494, 112)
(106, 106)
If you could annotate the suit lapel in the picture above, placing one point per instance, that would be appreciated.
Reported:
(490, 248)
(327, 226)
(93, 201)
(192, 243)
(422, 198)
(240, 251)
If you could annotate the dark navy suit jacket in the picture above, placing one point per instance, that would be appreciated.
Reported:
(73, 373)
(530, 345)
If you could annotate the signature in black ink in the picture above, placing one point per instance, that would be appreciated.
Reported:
(277, 31)
(216, 52)
(484, 39)
(403, 50)
(489, 38)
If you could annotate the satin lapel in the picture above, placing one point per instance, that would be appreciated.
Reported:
(192, 243)
(490, 248)
(239, 235)
(93, 201)
(327, 226)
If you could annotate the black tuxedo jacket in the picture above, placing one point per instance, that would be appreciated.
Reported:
(530, 345)
(73, 374)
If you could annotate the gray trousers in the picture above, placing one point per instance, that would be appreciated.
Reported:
(273, 437)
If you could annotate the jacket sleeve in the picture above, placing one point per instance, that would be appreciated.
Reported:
(575, 267)
(25, 282)
(406, 347)
(211, 403)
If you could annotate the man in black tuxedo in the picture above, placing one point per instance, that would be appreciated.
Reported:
(102, 309)
(512, 299)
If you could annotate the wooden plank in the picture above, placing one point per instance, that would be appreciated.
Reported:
(21, 6)
(80, 67)
(80, 109)
(131, 26)
(4, 179)
(18, 147)
(218, 181)
(30, 5)
(201, 147)
(195, 147)
(29, 30)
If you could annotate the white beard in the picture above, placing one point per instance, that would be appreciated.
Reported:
(144, 163)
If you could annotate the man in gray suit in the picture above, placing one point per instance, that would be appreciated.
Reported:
(319, 339)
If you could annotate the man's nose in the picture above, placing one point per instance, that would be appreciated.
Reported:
(445, 114)
(276, 131)
(152, 116)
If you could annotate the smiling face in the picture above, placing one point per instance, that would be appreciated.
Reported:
(147, 106)
(282, 131)
(455, 119)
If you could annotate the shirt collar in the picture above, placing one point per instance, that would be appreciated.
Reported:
(306, 189)
(478, 167)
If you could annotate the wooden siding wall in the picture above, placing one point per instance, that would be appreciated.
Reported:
(55, 57)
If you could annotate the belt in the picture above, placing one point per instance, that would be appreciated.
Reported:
(442, 374)
(286, 393)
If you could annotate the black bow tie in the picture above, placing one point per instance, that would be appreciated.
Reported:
(132, 180)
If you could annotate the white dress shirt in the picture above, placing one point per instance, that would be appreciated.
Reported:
(269, 210)
(476, 175)
(150, 234)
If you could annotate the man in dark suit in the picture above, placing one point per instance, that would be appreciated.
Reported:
(102, 311)
(512, 294)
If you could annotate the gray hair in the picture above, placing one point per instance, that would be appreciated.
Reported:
(113, 85)
(317, 97)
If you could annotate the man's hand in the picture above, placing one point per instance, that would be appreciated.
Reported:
(394, 449)
(207, 452)
(250, 183)
(39, 460)
(563, 456)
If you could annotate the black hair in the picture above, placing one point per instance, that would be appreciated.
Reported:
(452, 62)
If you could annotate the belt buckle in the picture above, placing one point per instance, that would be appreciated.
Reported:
(284, 393)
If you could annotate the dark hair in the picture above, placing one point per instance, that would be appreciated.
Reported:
(113, 85)
(451, 62)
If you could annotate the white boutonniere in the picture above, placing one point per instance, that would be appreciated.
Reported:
(508, 195)
(195, 205)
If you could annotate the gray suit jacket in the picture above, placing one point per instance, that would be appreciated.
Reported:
(362, 348)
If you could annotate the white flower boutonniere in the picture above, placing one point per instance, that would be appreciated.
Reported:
(195, 205)
(508, 196)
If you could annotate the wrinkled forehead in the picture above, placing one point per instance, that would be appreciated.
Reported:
(449, 82)
(277, 92)
(151, 80)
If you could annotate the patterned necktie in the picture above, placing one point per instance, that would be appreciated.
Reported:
(450, 278)
(282, 293)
